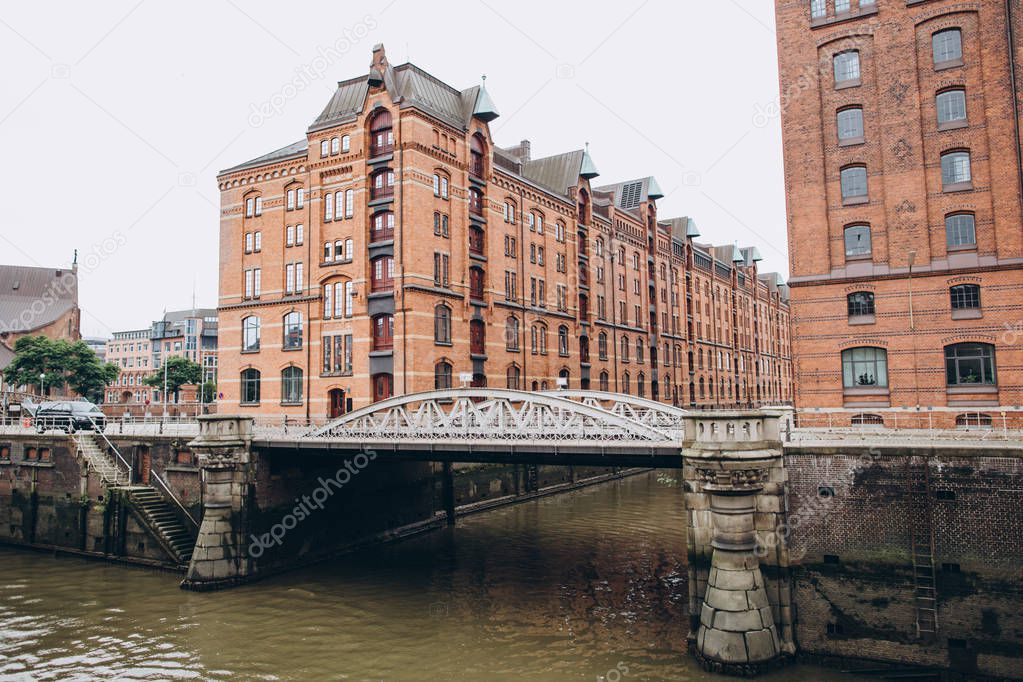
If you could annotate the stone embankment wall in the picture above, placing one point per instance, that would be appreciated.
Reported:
(849, 519)
(50, 500)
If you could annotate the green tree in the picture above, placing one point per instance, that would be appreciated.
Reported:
(60, 362)
(208, 391)
(180, 371)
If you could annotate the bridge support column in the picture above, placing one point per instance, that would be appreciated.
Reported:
(220, 558)
(734, 482)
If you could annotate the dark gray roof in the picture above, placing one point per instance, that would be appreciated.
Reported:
(32, 298)
(182, 315)
(631, 193)
(345, 105)
(557, 173)
(294, 149)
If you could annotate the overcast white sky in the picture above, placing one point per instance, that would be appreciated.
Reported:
(115, 117)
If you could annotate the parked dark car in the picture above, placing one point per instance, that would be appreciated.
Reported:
(69, 416)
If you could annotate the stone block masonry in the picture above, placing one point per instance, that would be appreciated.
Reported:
(853, 575)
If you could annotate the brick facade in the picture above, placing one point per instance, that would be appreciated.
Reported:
(914, 82)
(397, 212)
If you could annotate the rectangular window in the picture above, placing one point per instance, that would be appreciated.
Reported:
(328, 307)
(300, 198)
(960, 230)
(346, 141)
(248, 284)
(339, 204)
(955, 170)
(258, 246)
(291, 199)
(259, 205)
(348, 353)
(349, 293)
(324, 148)
(841, 6)
(443, 188)
(289, 278)
(339, 299)
(326, 343)
(850, 125)
(257, 279)
(349, 200)
(289, 239)
(299, 279)
(299, 234)
(948, 47)
(248, 242)
(818, 8)
(847, 68)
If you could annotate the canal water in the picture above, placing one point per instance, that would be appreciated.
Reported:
(585, 586)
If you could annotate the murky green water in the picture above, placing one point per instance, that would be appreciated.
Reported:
(586, 586)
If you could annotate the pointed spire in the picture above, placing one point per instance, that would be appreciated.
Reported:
(653, 190)
(588, 169)
(691, 230)
(485, 109)
(737, 256)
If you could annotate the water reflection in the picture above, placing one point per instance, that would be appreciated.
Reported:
(581, 587)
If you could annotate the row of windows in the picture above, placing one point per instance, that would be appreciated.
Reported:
(960, 233)
(961, 297)
(956, 175)
(950, 106)
(819, 8)
(946, 49)
(966, 364)
(335, 145)
(343, 201)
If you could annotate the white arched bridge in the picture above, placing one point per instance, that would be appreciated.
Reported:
(500, 425)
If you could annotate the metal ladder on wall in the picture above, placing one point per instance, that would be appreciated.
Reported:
(921, 538)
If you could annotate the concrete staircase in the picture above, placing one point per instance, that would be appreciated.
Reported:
(161, 520)
(91, 449)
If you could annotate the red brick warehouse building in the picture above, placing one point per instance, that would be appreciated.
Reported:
(395, 249)
(904, 181)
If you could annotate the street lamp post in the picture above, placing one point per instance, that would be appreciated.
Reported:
(42, 384)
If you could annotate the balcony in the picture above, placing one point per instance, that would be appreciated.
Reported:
(477, 338)
(476, 166)
(476, 202)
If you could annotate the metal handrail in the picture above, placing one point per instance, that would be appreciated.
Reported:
(117, 452)
(174, 498)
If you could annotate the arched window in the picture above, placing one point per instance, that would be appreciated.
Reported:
(951, 108)
(854, 184)
(440, 185)
(250, 386)
(538, 338)
(514, 376)
(250, 334)
(860, 303)
(960, 231)
(477, 240)
(864, 419)
(383, 332)
(584, 208)
(477, 154)
(382, 273)
(850, 125)
(970, 364)
(602, 346)
(625, 383)
(956, 174)
(947, 47)
(442, 324)
(965, 297)
(477, 337)
(562, 340)
(383, 386)
(475, 201)
(639, 349)
(703, 389)
(857, 241)
(476, 283)
(511, 333)
(442, 375)
(566, 376)
(381, 184)
(968, 419)
(292, 330)
(383, 226)
(625, 349)
(584, 349)
(604, 381)
(598, 247)
(641, 385)
(864, 367)
(291, 386)
(847, 68)
(381, 136)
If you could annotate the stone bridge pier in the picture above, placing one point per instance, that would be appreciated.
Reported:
(739, 587)
(223, 448)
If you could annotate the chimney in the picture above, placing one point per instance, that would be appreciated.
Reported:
(524, 150)
(379, 58)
